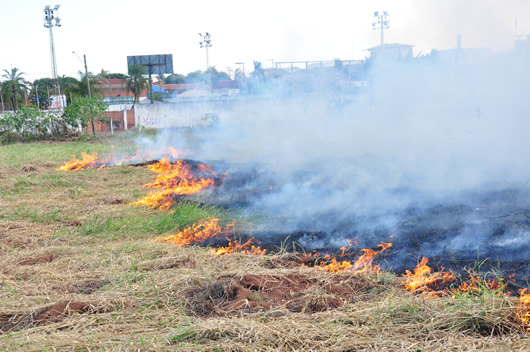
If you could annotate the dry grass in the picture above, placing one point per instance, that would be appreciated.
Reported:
(72, 237)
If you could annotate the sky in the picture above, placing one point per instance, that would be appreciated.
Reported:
(243, 31)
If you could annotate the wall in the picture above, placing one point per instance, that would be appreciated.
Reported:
(184, 113)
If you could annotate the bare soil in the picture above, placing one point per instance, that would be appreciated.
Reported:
(296, 292)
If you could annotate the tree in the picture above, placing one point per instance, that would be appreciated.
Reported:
(175, 78)
(16, 83)
(136, 82)
(81, 89)
(258, 70)
(43, 86)
(68, 86)
(109, 75)
(82, 110)
(217, 75)
(117, 75)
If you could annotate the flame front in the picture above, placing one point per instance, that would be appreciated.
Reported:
(194, 234)
(88, 161)
(523, 309)
(422, 280)
(91, 161)
(238, 247)
(361, 265)
(174, 179)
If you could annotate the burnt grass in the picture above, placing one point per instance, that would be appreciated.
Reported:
(471, 231)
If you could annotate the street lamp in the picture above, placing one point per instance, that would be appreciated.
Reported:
(206, 43)
(50, 21)
(382, 22)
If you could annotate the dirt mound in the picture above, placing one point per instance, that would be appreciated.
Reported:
(28, 168)
(38, 260)
(296, 292)
(47, 315)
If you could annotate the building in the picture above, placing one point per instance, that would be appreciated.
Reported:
(391, 52)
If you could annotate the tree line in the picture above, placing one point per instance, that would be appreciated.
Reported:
(16, 91)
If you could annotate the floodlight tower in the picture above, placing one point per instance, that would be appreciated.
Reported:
(206, 43)
(50, 21)
(381, 21)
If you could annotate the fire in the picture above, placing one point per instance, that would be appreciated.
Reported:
(351, 243)
(523, 309)
(475, 285)
(194, 234)
(91, 161)
(238, 247)
(361, 265)
(88, 161)
(174, 179)
(422, 281)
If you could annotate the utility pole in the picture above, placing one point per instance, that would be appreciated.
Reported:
(50, 21)
(86, 76)
(381, 22)
(37, 95)
(1, 97)
(206, 43)
(88, 87)
(89, 94)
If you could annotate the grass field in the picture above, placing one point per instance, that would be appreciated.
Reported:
(79, 271)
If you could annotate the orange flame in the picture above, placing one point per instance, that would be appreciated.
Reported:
(523, 309)
(174, 179)
(88, 161)
(194, 234)
(422, 281)
(91, 161)
(237, 247)
(361, 265)
(475, 285)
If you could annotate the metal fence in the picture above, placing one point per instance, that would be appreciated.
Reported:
(118, 100)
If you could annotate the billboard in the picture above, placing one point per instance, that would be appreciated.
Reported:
(57, 102)
(154, 64)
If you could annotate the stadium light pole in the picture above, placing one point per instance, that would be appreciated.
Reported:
(381, 21)
(51, 20)
(206, 43)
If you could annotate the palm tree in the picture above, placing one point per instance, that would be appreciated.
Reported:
(15, 82)
(68, 85)
(136, 82)
(81, 88)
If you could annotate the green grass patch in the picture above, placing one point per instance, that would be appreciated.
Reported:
(154, 223)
